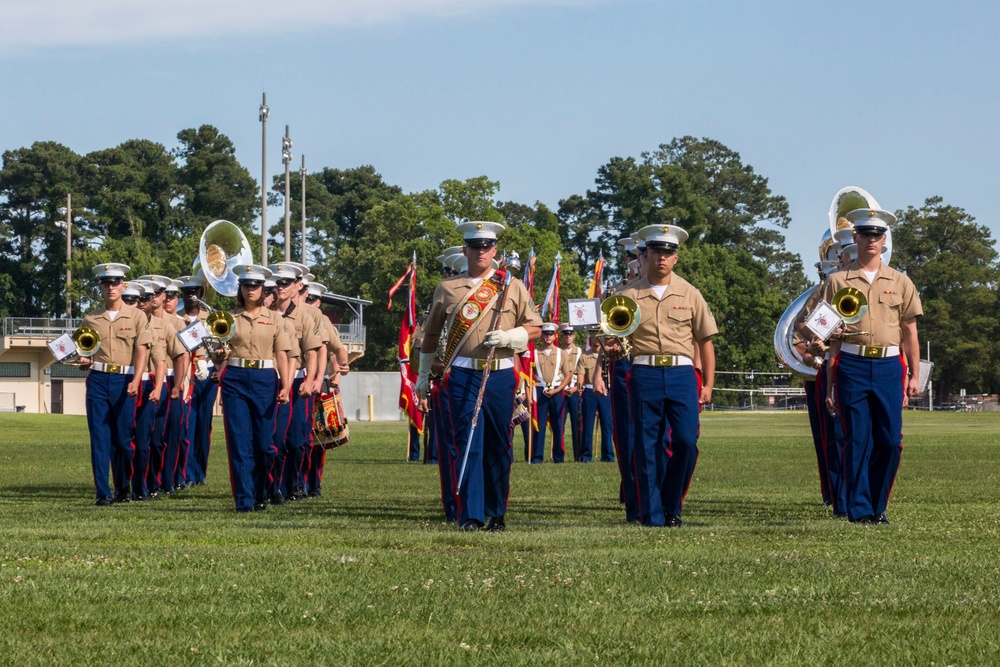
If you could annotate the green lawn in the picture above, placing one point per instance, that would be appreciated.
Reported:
(370, 574)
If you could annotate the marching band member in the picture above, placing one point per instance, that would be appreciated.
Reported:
(151, 394)
(295, 434)
(572, 393)
(315, 455)
(481, 457)
(872, 373)
(251, 390)
(192, 459)
(553, 374)
(663, 386)
(113, 383)
(618, 370)
(336, 352)
(168, 432)
(594, 406)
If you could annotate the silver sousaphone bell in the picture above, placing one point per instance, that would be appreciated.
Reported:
(223, 246)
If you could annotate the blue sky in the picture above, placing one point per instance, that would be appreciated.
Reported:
(900, 98)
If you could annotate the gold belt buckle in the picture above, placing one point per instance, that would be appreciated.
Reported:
(874, 352)
(251, 363)
(663, 360)
(112, 368)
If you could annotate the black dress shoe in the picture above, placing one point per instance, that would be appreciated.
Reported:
(868, 519)
(259, 507)
(277, 499)
(315, 493)
(673, 521)
(470, 526)
(123, 498)
(102, 502)
(496, 524)
(840, 515)
(244, 510)
(882, 519)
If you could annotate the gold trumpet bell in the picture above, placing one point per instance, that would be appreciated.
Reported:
(851, 304)
(220, 325)
(619, 316)
(87, 341)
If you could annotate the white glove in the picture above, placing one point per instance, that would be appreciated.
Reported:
(201, 372)
(424, 376)
(516, 339)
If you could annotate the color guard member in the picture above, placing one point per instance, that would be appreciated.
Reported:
(113, 383)
(572, 393)
(552, 374)
(594, 406)
(663, 386)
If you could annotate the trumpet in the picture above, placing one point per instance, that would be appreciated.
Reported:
(620, 317)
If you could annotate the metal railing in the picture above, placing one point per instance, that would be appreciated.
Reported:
(351, 333)
(40, 327)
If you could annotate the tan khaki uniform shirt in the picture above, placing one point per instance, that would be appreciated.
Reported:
(546, 358)
(892, 299)
(174, 324)
(673, 324)
(575, 354)
(296, 348)
(588, 366)
(518, 310)
(158, 350)
(306, 328)
(119, 338)
(260, 336)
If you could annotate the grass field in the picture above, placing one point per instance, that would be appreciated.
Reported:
(370, 574)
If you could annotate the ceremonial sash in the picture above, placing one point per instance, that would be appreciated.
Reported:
(468, 315)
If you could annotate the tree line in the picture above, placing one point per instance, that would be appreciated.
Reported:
(145, 205)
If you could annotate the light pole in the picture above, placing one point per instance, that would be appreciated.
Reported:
(264, 113)
(286, 157)
(69, 253)
(302, 180)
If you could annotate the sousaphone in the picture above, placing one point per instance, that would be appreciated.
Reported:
(223, 246)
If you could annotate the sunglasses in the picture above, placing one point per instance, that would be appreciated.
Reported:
(870, 234)
(283, 283)
(130, 299)
(146, 297)
(171, 295)
(111, 281)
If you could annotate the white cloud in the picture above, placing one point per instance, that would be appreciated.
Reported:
(49, 23)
